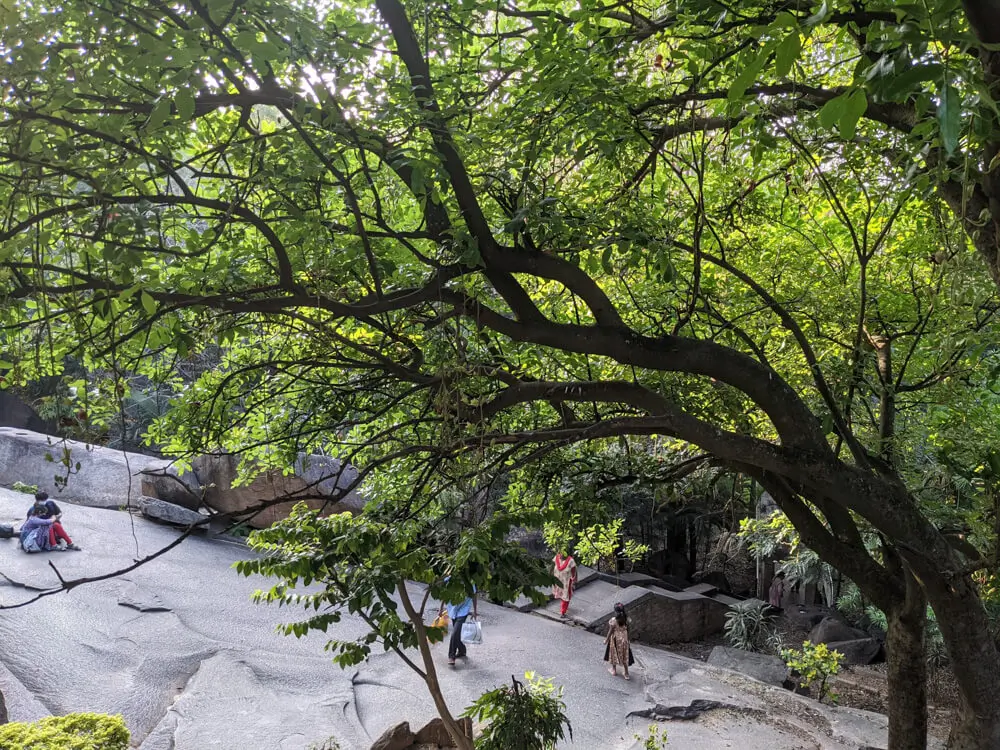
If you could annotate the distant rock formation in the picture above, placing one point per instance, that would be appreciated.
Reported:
(90, 474)
(319, 481)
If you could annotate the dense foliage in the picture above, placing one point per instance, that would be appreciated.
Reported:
(70, 732)
(454, 242)
(530, 716)
(751, 626)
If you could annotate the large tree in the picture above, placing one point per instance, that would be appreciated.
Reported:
(450, 239)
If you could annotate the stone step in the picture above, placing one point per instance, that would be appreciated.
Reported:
(584, 576)
(593, 605)
(705, 589)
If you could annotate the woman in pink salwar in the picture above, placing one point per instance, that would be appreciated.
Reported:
(564, 569)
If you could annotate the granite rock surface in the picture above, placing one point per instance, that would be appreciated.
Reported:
(177, 647)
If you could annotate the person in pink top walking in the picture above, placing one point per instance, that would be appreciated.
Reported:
(564, 569)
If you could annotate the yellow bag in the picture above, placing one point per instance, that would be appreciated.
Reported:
(441, 621)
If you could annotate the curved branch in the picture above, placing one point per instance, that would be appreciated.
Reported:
(857, 450)
(796, 425)
(617, 391)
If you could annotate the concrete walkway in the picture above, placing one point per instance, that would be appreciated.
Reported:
(179, 649)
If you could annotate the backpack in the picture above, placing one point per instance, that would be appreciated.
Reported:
(7, 531)
(33, 541)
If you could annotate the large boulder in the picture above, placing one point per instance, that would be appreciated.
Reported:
(90, 474)
(15, 413)
(763, 667)
(398, 737)
(160, 510)
(318, 480)
(832, 630)
(858, 652)
(434, 732)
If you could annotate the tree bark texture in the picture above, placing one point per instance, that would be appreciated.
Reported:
(905, 641)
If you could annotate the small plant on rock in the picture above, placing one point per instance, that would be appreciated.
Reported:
(30, 489)
(815, 663)
(750, 627)
(531, 717)
(655, 740)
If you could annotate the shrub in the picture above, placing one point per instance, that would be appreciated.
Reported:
(750, 627)
(815, 663)
(528, 718)
(655, 740)
(70, 732)
(30, 489)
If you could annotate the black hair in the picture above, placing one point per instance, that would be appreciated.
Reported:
(41, 496)
(620, 614)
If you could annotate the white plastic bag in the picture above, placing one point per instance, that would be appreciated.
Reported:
(472, 632)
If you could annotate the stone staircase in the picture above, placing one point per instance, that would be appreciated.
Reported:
(660, 611)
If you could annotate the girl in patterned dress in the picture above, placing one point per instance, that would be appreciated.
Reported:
(618, 651)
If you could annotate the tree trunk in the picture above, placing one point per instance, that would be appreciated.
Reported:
(887, 398)
(974, 659)
(977, 726)
(462, 742)
(908, 669)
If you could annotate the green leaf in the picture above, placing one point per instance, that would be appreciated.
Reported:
(854, 108)
(606, 260)
(819, 16)
(184, 101)
(246, 39)
(148, 303)
(787, 53)
(749, 74)
(904, 82)
(161, 111)
(831, 112)
(949, 116)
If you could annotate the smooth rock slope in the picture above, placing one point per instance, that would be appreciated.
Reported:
(178, 648)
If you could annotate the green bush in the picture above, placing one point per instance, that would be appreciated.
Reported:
(527, 718)
(815, 663)
(70, 732)
(751, 627)
(30, 489)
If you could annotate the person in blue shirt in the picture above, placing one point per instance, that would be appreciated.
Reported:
(458, 614)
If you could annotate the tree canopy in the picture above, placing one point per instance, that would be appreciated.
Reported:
(450, 241)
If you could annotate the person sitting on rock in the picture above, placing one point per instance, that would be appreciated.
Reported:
(46, 510)
(34, 534)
